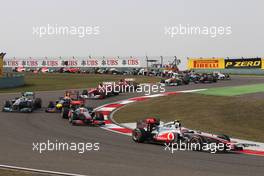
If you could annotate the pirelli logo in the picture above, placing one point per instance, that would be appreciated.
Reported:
(206, 64)
(243, 63)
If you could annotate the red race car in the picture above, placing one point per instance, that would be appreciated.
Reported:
(103, 90)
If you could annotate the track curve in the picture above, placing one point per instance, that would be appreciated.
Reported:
(118, 154)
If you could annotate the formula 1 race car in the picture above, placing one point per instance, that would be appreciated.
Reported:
(82, 116)
(72, 106)
(26, 103)
(103, 90)
(93, 93)
(171, 82)
(78, 114)
(195, 77)
(127, 84)
(69, 95)
(176, 80)
(222, 76)
(208, 78)
(56, 107)
(151, 131)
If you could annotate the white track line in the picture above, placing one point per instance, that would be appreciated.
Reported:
(39, 171)
(194, 90)
(113, 131)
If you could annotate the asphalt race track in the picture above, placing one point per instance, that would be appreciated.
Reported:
(118, 154)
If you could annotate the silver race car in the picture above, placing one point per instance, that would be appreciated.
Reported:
(150, 130)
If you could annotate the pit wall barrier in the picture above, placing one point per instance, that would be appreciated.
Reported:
(12, 81)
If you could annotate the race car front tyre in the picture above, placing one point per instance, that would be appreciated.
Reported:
(71, 121)
(139, 135)
(85, 92)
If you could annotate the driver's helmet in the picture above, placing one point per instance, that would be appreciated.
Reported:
(59, 105)
(82, 110)
(23, 99)
(66, 97)
(177, 124)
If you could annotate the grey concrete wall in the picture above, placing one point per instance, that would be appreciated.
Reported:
(9, 82)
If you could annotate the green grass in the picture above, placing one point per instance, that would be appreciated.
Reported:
(235, 90)
(235, 116)
(61, 81)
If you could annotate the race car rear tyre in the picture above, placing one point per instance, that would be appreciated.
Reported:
(8, 104)
(196, 143)
(71, 121)
(65, 113)
(139, 135)
(99, 116)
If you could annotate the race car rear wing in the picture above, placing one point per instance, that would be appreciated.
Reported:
(148, 121)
